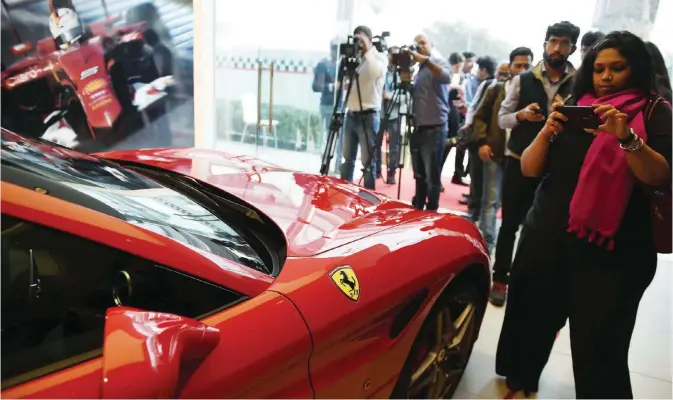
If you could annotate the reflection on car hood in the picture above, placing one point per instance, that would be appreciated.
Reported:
(317, 213)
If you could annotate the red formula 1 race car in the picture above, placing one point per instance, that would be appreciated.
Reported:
(193, 273)
(80, 76)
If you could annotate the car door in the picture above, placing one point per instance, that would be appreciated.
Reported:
(58, 287)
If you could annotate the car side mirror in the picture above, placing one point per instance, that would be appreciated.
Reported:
(21, 49)
(145, 352)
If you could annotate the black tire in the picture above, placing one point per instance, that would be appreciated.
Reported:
(458, 292)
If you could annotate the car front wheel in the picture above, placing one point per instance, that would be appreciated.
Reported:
(439, 355)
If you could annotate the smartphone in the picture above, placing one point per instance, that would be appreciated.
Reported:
(582, 115)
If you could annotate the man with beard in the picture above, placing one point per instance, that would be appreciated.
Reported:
(526, 106)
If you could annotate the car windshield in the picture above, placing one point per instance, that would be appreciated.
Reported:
(125, 194)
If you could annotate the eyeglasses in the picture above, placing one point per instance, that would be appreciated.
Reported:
(561, 43)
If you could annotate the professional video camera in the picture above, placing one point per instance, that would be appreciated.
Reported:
(403, 61)
(350, 52)
(351, 48)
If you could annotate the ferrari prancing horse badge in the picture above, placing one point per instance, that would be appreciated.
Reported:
(345, 279)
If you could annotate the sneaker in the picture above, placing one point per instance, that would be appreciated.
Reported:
(498, 294)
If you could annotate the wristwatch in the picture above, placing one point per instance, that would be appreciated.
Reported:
(629, 138)
(633, 144)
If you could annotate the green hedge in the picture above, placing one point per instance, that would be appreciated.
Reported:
(290, 119)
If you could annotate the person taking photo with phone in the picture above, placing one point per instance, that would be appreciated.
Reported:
(588, 249)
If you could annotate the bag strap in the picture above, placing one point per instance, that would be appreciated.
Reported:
(650, 107)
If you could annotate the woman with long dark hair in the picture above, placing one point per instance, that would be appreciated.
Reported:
(662, 82)
(587, 250)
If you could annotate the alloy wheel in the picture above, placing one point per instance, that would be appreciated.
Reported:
(444, 349)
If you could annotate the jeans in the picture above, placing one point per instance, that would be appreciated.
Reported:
(321, 135)
(427, 145)
(394, 139)
(518, 193)
(490, 200)
(352, 136)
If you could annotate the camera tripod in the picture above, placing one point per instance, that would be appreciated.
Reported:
(347, 69)
(405, 110)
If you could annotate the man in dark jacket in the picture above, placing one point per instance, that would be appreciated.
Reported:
(526, 106)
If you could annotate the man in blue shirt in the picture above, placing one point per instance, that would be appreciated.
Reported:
(431, 114)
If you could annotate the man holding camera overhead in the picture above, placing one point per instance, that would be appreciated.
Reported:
(363, 119)
(431, 113)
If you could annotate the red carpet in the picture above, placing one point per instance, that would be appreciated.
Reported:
(449, 199)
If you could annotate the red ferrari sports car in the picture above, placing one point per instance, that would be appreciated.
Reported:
(193, 273)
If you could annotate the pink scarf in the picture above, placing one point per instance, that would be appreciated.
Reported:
(606, 181)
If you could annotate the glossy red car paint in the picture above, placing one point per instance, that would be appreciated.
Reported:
(298, 335)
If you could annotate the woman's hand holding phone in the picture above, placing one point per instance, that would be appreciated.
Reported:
(554, 124)
(613, 121)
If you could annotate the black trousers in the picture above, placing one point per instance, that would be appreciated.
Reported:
(458, 165)
(518, 193)
(557, 277)
(476, 183)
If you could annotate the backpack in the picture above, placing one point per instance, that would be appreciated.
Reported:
(465, 136)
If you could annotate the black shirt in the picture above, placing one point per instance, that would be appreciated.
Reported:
(551, 209)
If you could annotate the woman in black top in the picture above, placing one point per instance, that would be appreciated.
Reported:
(587, 252)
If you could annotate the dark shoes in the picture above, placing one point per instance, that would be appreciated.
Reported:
(514, 385)
(498, 294)
(390, 178)
(457, 180)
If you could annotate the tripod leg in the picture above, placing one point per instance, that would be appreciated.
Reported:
(367, 138)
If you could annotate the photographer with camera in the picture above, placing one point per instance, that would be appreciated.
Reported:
(364, 103)
(431, 114)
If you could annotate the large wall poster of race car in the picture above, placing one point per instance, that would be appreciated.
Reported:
(98, 75)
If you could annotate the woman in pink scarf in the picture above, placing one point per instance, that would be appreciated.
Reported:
(587, 252)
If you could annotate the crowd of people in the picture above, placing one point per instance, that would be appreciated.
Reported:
(570, 155)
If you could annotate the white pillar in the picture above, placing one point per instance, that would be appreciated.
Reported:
(205, 116)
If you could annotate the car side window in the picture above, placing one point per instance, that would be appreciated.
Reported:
(56, 288)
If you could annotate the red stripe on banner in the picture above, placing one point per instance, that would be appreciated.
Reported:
(275, 71)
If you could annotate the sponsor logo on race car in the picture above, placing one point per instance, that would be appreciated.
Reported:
(95, 86)
(26, 76)
(88, 72)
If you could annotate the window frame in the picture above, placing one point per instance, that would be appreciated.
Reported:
(81, 358)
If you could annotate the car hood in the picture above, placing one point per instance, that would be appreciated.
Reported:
(316, 213)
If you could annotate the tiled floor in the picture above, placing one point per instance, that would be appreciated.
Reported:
(650, 356)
